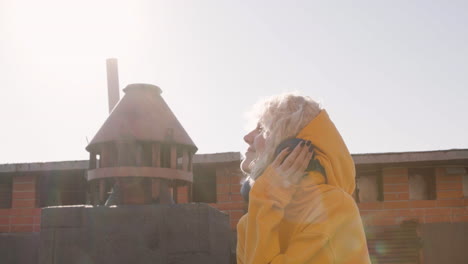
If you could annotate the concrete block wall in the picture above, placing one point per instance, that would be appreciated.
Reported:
(23, 216)
(450, 206)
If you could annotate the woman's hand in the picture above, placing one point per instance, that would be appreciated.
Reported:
(291, 169)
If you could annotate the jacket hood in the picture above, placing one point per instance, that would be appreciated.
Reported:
(332, 153)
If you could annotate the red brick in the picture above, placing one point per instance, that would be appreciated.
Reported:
(450, 203)
(418, 212)
(4, 220)
(418, 219)
(403, 196)
(422, 203)
(237, 214)
(181, 195)
(22, 228)
(234, 225)
(388, 188)
(223, 198)
(450, 186)
(24, 187)
(396, 205)
(22, 220)
(460, 211)
(443, 178)
(395, 179)
(237, 197)
(383, 214)
(395, 196)
(437, 219)
(37, 211)
(231, 206)
(460, 218)
(5, 212)
(235, 188)
(37, 220)
(449, 194)
(385, 221)
(235, 180)
(4, 228)
(30, 179)
(395, 172)
(37, 228)
(407, 212)
(182, 200)
(24, 195)
(26, 211)
(24, 203)
(370, 206)
(438, 211)
(222, 188)
(403, 212)
(221, 179)
(391, 196)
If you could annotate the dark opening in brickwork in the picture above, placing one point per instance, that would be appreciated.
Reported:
(62, 188)
(368, 186)
(6, 186)
(204, 184)
(422, 184)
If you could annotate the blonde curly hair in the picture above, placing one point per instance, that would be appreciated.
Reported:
(280, 117)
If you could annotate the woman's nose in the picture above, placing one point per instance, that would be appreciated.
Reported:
(248, 138)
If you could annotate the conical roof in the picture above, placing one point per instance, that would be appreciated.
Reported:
(143, 115)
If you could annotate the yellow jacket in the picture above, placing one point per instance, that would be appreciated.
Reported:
(314, 222)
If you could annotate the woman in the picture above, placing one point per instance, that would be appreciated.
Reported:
(296, 216)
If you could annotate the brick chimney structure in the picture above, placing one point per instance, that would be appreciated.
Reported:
(141, 154)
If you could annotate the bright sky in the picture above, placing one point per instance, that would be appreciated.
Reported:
(392, 74)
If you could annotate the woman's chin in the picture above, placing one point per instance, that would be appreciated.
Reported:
(244, 166)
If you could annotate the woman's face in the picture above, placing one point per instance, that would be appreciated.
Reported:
(256, 141)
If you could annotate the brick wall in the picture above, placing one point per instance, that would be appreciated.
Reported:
(228, 197)
(23, 216)
(450, 206)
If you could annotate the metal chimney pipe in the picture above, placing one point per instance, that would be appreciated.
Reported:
(112, 82)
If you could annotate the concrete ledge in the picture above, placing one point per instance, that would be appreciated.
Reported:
(45, 166)
(224, 157)
(421, 156)
(227, 157)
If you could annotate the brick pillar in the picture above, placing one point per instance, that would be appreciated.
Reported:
(24, 217)
(448, 187)
(229, 199)
(396, 186)
(182, 195)
(450, 197)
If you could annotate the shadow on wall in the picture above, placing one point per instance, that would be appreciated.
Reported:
(19, 248)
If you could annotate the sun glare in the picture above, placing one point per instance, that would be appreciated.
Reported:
(48, 29)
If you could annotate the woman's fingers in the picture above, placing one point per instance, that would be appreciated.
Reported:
(302, 160)
(292, 167)
(280, 158)
(289, 161)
